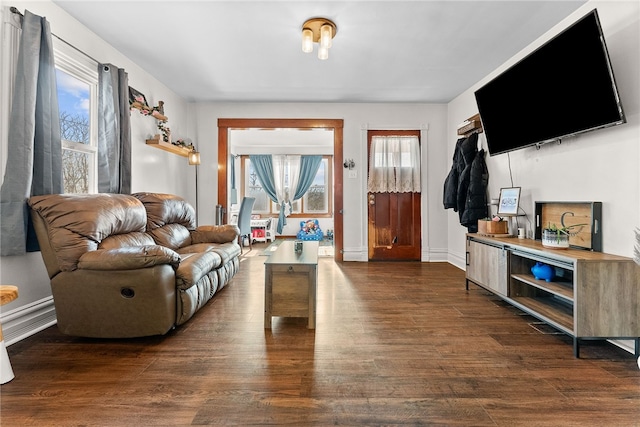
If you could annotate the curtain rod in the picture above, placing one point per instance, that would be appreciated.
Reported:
(15, 10)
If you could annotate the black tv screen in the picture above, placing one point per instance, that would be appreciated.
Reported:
(563, 88)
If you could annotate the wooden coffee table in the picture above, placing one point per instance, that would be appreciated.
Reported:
(290, 283)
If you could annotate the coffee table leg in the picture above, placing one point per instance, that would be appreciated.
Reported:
(313, 280)
(268, 285)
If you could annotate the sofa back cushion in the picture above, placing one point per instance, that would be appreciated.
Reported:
(78, 223)
(117, 241)
(170, 219)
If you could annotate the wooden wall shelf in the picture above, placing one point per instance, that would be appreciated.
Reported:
(175, 149)
(470, 126)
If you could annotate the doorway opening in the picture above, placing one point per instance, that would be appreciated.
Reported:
(336, 125)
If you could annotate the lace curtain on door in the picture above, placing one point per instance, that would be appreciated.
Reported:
(394, 165)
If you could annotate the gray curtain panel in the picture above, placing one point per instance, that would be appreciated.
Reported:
(34, 157)
(114, 130)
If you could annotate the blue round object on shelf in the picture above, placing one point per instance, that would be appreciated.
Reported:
(542, 271)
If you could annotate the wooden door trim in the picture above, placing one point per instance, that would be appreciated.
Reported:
(334, 124)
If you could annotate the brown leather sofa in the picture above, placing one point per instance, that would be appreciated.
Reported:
(130, 265)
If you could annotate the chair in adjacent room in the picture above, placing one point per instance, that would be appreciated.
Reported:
(244, 220)
(310, 230)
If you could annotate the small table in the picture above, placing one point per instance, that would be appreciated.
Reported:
(290, 283)
(262, 225)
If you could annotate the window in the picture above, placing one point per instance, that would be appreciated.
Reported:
(253, 188)
(317, 198)
(316, 201)
(77, 81)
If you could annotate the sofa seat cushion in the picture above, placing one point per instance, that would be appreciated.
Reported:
(227, 251)
(194, 266)
(196, 249)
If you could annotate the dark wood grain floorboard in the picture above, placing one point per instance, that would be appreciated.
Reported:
(396, 344)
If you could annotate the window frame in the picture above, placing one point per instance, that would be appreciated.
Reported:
(300, 212)
(81, 67)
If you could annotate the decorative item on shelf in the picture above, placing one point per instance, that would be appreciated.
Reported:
(542, 271)
(493, 226)
(165, 130)
(137, 101)
(555, 237)
(509, 201)
(584, 219)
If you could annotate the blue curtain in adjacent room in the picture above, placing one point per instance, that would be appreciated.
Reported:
(308, 170)
(34, 155)
(114, 130)
(234, 191)
(263, 165)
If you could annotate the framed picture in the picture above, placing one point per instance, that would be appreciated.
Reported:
(509, 201)
(137, 99)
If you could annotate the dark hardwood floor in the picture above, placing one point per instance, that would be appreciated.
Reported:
(395, 344)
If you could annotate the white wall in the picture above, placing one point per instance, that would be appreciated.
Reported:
(596, 166)
(153, 169)
(357, 119)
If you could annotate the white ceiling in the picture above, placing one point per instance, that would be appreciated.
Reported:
(384, 51)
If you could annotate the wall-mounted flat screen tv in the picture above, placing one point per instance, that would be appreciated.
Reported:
(563, 88)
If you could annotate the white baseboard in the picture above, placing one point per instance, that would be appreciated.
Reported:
(427, 255)
(458, 260)
(22, 322)
(355, 254)
(434, 254)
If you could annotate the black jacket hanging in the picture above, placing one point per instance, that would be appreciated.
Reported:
(457, 181)
(476, 199)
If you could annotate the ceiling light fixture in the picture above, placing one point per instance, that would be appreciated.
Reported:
(318, 30)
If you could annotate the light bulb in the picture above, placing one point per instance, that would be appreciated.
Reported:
(323, 52)
(307, 40)
(194, 158)
(326, 33)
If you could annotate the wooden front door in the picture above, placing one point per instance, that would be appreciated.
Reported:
(394, 222)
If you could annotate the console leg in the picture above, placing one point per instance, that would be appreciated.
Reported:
(576, 347)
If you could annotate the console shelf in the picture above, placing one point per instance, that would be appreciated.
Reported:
(593, 295)
(560, 289)
(546, 309)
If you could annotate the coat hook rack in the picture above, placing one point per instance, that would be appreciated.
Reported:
(349, 164)
(470, 126)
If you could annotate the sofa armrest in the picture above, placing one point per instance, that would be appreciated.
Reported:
(128, 258)
(215, 234)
